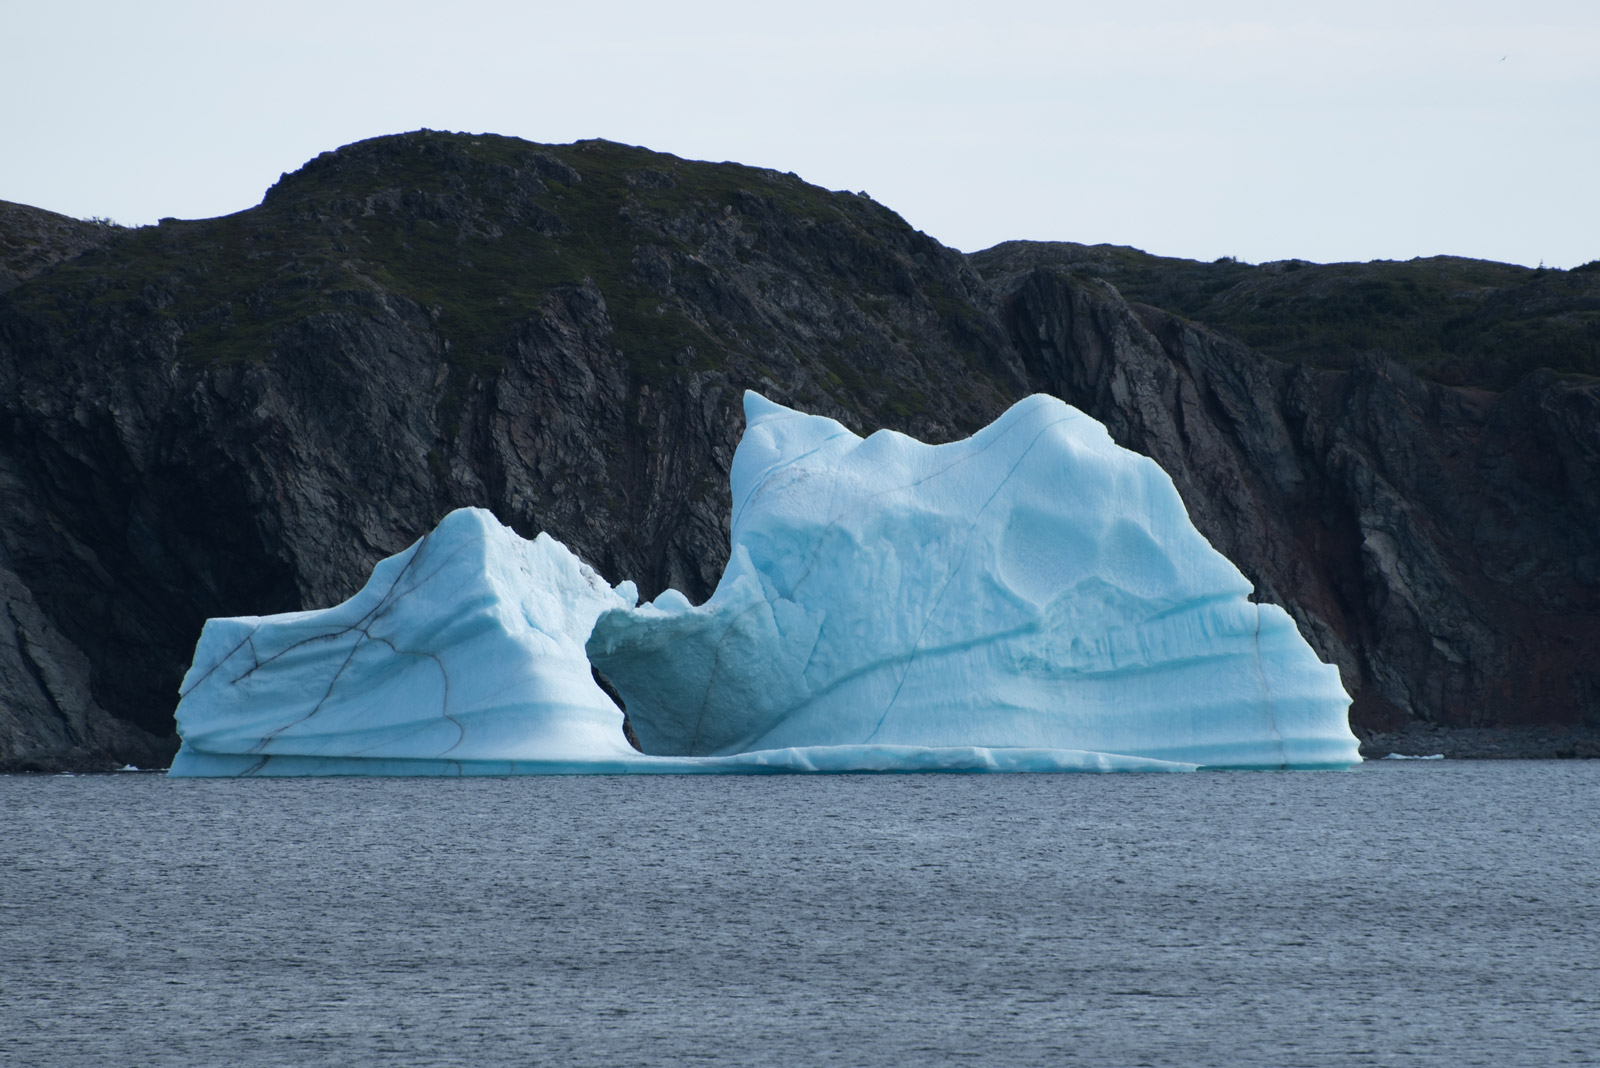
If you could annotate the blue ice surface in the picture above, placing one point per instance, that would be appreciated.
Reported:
(1033, 598)
(466, 647)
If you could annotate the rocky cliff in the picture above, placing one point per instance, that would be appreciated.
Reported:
(240, 415)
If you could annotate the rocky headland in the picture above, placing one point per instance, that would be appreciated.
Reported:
(241, 415)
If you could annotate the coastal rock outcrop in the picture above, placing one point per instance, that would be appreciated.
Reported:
(242, 415)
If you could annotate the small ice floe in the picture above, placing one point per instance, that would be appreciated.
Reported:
(127, 767)
(1403, 756)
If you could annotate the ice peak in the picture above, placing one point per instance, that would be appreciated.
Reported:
(757, 408)
(774, 438)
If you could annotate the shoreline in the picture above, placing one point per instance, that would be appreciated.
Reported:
(1484, 743)
(1418, 740)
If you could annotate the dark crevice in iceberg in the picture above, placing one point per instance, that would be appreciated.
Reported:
(622, 706)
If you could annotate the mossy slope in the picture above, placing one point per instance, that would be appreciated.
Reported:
(1458, 321)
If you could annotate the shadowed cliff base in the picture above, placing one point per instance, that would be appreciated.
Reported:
(1486, 743)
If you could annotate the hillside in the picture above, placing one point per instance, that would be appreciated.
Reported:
(33, 240)
(240, 415)
(1457, 321)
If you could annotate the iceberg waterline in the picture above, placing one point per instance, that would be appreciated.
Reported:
(1033, 598)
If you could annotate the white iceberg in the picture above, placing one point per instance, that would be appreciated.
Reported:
(1034, 587)
(1031, 599)
(463, 655)
(465, 648)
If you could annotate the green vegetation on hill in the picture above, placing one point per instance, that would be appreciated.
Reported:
(1461, 321)
(477, 229)
(33, 240)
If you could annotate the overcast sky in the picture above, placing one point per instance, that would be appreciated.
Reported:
(1326, 131)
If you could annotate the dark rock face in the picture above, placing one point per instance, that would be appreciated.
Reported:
(49, 721)
(1439, 544)
(242, 415)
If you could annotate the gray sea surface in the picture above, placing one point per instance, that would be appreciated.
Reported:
(1402, 913)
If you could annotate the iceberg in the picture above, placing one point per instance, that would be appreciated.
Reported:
(467, 647)
(1031, 599)
(1035, 586)
(463, 655)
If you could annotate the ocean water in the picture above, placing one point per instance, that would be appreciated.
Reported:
(1415, 913)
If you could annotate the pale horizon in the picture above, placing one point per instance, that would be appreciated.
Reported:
(1348, 132)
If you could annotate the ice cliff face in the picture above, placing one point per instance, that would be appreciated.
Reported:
(1032, 586)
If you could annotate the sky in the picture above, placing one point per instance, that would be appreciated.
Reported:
(1314, 130)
